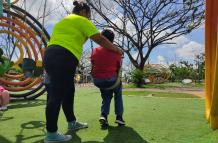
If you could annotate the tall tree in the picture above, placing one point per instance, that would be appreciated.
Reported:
(143, 25)
(200, 66)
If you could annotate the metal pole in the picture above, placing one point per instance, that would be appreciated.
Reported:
(1, 7)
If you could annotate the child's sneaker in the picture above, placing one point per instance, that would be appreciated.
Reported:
(119, 120)
(56, 137)
(103, 121)
(76, 125)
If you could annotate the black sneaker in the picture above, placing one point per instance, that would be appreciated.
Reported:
(103, 121)
(120, 121)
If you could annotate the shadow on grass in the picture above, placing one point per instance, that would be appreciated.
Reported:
(26, 103)
(115, 135)
(3, 118)
(4, 140)
(32, 125)
(29, 126)
(20, 104)
(123, 134)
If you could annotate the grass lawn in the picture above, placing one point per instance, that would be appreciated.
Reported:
(158, 94)
(149, 120)
(168, 85)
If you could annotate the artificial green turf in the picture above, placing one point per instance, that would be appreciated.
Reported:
(167, 85)
(159, 94)
(149, 120)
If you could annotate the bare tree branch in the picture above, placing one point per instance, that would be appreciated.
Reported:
(146, 24)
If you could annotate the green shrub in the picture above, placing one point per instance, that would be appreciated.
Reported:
(138, 77)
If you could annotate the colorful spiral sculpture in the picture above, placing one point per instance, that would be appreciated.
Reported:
(22, 42)
(157, 73)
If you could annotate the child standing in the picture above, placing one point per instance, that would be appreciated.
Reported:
(105, 67)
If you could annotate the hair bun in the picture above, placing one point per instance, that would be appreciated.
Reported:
(76, 3)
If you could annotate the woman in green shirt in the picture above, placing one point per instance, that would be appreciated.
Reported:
(60, 61)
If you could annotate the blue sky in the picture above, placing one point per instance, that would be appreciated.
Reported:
(185, 49)
(187, 46)
(168, 54)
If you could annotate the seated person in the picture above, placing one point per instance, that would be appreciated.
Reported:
(105, 67)
(4, 98)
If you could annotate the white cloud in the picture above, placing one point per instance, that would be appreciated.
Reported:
(190, 50)
(179, 41)
(161, 60)
(202, 25)
(54, 9)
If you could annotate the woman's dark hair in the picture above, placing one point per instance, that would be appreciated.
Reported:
(108, 34)
(78, 6)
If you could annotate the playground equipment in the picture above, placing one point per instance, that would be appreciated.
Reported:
(211, 61)
(22, 41)
(157, 73)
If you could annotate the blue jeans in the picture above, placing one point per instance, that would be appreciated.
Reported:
(107, 95)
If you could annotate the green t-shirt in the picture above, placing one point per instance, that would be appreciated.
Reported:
(72, 32)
